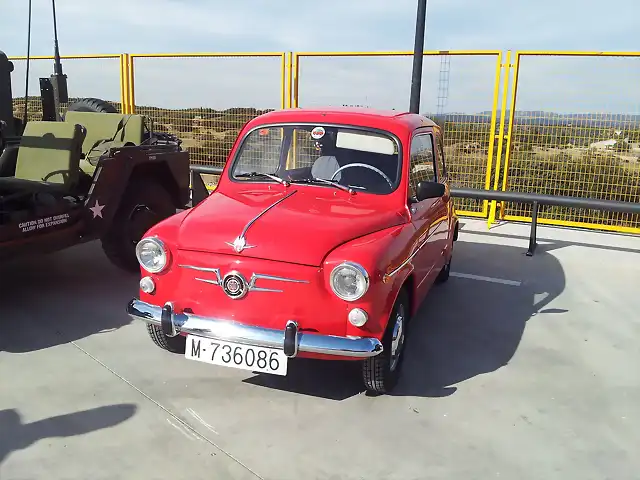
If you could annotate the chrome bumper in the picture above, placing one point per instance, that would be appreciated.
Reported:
(291, 340)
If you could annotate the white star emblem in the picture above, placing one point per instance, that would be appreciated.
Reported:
(97, 210)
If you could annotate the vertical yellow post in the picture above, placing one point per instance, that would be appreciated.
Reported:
(132, 90)
(123, 85)
(500, 136)
(512, 114)
(296, 74)
(283, 81)
(492, 131)
(290, 80)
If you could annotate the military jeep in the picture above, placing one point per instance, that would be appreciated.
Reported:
(92, 175)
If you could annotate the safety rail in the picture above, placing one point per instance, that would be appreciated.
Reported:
(200, 192)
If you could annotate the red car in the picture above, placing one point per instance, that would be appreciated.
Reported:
(327, 229)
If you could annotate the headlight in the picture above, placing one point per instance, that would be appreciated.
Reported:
(151, 254)
(349, 281)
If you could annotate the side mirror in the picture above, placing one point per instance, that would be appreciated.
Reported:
(429, 190)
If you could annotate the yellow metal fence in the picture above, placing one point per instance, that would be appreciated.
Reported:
(371, 78)
(506, 133)
(590, 151)
(102, 73)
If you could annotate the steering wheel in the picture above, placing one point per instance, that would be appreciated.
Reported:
(364, 165)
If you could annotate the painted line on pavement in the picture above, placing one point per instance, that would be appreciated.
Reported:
(502, 281)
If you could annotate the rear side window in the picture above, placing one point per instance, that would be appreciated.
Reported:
(422, 162)
(442, 167)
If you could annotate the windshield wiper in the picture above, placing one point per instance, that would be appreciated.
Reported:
(261, 174)
(333, 183)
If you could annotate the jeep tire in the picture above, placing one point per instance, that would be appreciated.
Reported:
(144, 204)
(92, 105)
(177, 344)
(381, 373)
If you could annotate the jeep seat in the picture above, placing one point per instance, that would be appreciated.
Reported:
(48, 158)
(114, 128)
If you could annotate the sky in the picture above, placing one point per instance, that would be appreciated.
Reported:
(561, 84)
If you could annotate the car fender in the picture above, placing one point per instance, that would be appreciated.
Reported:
(378, 253)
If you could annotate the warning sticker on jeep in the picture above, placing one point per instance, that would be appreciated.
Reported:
(46, 222)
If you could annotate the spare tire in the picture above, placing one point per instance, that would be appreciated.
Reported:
(92, 105)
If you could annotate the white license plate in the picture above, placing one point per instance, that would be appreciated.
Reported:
(236, 355)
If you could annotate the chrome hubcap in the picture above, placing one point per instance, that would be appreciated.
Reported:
(397, 339)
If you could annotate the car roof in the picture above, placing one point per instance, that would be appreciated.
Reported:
(347, 115)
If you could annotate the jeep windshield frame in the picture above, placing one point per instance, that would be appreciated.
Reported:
(291, 151)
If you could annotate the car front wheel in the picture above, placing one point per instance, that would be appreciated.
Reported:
(172, 344)
(381, 373)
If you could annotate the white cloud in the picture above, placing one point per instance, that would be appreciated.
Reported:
(550, 83)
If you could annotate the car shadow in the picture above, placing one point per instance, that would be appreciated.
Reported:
(464, 328)
(48, 300)
(18, 436)
(471, 327)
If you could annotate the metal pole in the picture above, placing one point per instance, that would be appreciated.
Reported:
(57, 65)
(418, 49)
(533, 237)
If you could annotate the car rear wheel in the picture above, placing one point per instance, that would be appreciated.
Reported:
(443, 275)
(172, 344)
(381, 373)
(144, 204)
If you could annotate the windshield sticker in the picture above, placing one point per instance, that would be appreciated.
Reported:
(317, 133)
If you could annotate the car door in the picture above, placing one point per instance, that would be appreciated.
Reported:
(422, 167)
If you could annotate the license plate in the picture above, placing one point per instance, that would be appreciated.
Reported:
(236, 355)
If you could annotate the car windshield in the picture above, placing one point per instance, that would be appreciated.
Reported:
(327, 156)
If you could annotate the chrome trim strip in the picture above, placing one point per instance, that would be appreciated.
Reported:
(240, 242)
(215, 271)
(251, 284)
(228, 330)
(200, 269)
(408, 259)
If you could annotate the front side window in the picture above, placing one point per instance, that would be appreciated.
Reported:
(422, 162)
(324, 155)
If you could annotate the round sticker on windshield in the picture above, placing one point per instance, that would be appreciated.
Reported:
(317, 133)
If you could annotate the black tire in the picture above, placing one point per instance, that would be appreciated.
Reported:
(443, 275)
(176, 344)
(379, 374)
(92, 105)
(144, 204)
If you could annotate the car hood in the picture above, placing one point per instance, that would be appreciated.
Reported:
(297, 225)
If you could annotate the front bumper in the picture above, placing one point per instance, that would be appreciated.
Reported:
(291, 340)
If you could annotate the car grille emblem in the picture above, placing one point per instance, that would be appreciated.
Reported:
(234, 285)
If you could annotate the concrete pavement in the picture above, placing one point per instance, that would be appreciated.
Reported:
(518, 367)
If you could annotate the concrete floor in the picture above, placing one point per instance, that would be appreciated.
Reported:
(518, 367)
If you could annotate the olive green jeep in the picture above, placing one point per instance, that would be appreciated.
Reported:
(94, 175)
